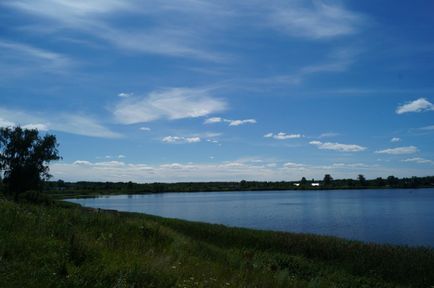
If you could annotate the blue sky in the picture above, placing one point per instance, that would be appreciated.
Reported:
(194, 90)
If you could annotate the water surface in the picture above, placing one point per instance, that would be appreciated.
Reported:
(398, 216)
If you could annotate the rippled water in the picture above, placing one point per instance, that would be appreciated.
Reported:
(399, 216)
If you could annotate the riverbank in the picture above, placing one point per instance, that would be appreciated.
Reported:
(61, 245)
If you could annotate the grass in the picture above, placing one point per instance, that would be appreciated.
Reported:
(62, 245)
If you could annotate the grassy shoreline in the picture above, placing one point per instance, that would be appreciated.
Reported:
(63, 245)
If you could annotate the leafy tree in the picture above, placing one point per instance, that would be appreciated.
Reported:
(362, 180)
(392, 180)
(327, 179)
(24, 158)
(379, 182)
(303, 181)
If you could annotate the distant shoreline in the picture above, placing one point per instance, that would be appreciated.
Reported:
(61, 189)
(74, 196)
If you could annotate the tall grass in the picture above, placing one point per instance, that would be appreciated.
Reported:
(68, 246)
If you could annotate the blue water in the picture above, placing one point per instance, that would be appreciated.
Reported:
(399, 216)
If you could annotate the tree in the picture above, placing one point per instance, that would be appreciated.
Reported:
(362, 179)
(327, 179)
(303, 181)
(379, 182)
(392, 180)
(24, 158)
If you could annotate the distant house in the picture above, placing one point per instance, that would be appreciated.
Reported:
(297, 184)
(314, 184)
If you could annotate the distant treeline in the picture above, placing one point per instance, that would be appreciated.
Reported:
(90, 188)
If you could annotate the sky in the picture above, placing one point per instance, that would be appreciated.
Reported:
(195, 90)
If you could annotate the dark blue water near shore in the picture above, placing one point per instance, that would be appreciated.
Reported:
(398, 216)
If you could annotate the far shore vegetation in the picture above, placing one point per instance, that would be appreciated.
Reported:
(46, 242)
(61, 189)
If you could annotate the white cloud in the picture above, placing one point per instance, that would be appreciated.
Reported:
(81, 162)
(26, 118)
(418, 105)
(40, 127)
(317, 22)
(120, 156)
(174, 103)
(419, 160)
(293, 165)
(241, 122)
(338, 146)
(110, 164)
(125, 94)
(352, 165)
(213, 120)
(395, 139)
(328, 135)
(5, 123)
(283, 136)
(145, 129)
(236, 170)
(181, 140)
(398, 150)
(64, 122)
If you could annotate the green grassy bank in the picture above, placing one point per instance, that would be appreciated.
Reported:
(61, 245)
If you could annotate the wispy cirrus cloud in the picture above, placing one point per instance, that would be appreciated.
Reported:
(18, 58)
(338, 146)
(172, 104)
(183, 29)
(398, 150)
(283, 136)
(318, 21)
(427, 128)
(418, 105)
(339, 60)
(230, 122)
(165, 33)
(418, 160)
(64, 122)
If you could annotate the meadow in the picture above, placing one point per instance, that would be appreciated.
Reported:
(56, 244)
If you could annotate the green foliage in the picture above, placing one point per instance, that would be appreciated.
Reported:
(68, 246)
(327, 181)
(61, 189)
(24, 158)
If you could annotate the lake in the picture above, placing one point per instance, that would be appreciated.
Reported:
(398, 216)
